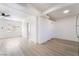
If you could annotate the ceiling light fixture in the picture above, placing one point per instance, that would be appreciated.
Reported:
(66, 11)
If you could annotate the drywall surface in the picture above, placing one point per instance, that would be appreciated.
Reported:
(45, 29)
(32, 28)
(29, 28)
(9, 28)
(66, 29)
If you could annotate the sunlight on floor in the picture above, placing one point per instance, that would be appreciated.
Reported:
(12, 46)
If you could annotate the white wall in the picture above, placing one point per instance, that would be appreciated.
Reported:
(65, 29)
(29, 31)
(33, 28)
(32, 24)
(7, 30)
(29, 16)
(45, 29)
(24, 29)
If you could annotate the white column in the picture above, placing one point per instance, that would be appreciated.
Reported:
(24, 29)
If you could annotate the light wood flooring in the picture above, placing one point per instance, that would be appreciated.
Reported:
(53, 47)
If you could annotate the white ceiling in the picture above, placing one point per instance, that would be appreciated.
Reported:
(17, 11)
(58, 13)
(53, 10)
(44, 6)
(14, 10)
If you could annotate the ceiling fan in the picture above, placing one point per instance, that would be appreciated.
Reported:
(5, 15)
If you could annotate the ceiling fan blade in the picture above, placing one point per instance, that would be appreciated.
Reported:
(7, 15)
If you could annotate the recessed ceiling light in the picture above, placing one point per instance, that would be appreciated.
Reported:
(66, 11)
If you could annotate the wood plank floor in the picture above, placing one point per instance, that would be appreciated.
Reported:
(53, 47)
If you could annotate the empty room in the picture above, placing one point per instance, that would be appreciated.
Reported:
(39, 29)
